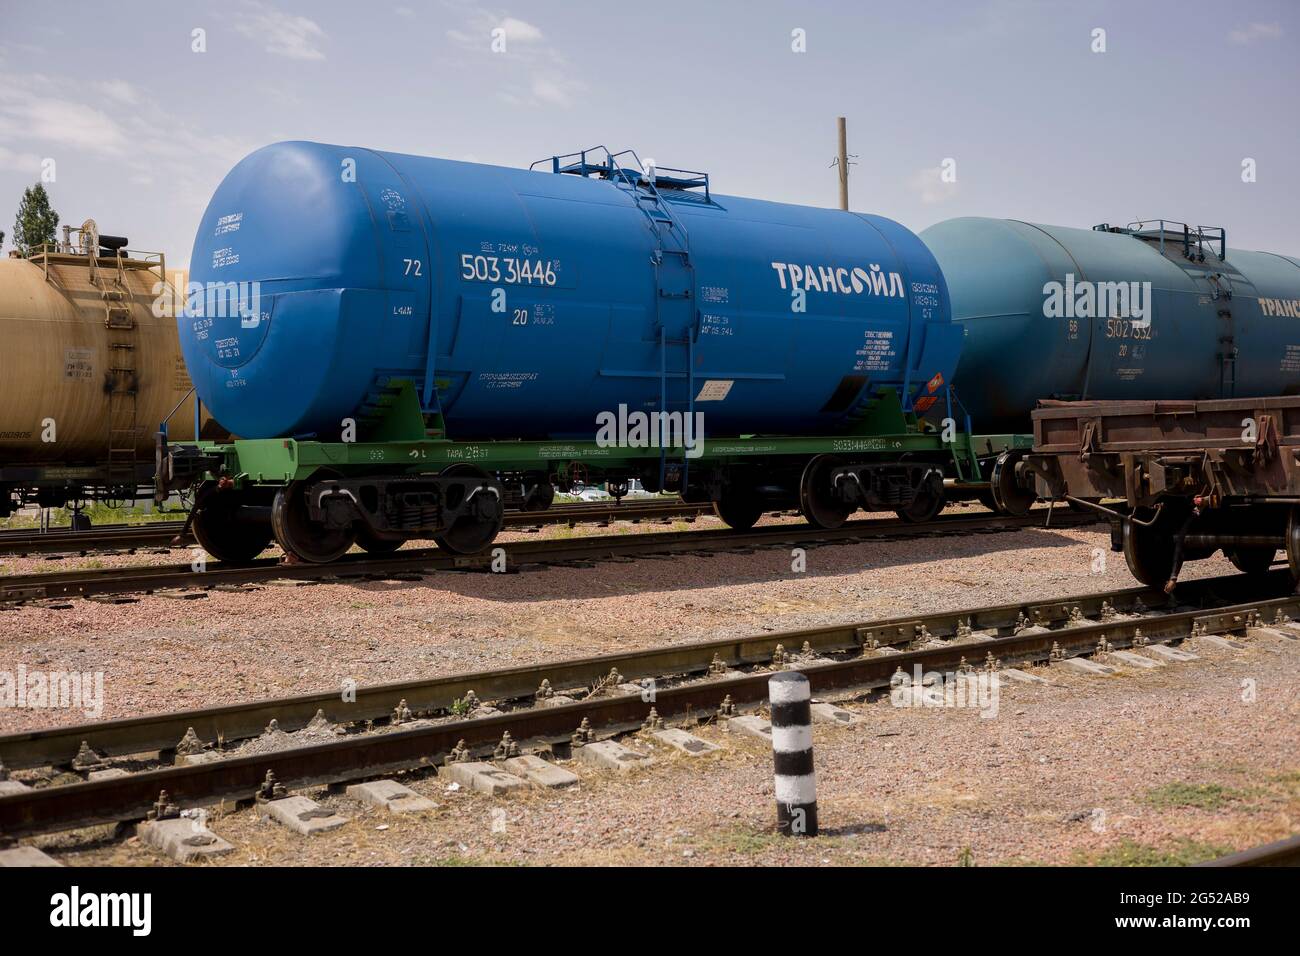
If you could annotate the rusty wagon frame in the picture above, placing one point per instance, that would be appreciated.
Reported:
(1192, 477)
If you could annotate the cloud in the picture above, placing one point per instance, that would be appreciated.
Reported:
(64, 122)
(1255, 31)
(28, 164)
(552, 89)
(297, 38)
(533, 73)
(929, 186)
(120, 90)
(142, 142)
(519, 31)
(478, 32)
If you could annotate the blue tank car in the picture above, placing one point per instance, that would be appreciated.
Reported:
(401, 341)
(521, 304)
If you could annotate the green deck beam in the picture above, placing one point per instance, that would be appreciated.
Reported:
(397, 442)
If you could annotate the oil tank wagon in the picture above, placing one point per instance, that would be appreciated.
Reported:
(414, 335)
(89, 368)
(1149, 311)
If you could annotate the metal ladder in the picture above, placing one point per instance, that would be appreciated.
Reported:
(676, 318)
(1186, 245)
(1227, 353)
(122, 383)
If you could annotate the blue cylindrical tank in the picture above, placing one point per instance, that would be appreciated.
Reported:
(1219, 327)
(523, 303)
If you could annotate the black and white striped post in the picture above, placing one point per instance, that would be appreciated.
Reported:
(792, 752)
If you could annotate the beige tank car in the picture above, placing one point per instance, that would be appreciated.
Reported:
(90, 367)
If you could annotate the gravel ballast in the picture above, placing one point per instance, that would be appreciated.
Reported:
(1089, 770)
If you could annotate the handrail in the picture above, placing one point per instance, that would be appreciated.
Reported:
(177, 407)
(1198, 236)
(611, 168)
(129, 258)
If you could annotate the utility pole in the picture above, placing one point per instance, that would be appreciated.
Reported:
(844, 161)
(844, 164)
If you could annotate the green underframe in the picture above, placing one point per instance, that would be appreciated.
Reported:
(397, 444)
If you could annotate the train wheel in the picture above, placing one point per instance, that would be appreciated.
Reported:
(472, 532)
(1009, 497)
(299, 535)
(1293, 542)
(1149, 550)
(739, 508)
(539, 497)
(1251, 560)
(927, 504)
(218, 532)
(374, 545)
(816, 495)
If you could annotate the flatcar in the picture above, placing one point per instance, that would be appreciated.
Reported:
(1189, 478)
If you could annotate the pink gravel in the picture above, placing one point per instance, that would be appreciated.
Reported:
(1066, 773)
(162, 654)
(1089, 770)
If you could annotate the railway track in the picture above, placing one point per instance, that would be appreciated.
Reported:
(419, 724)
(108, 537)
(103, 582)
(162, 534)
(1278, 853)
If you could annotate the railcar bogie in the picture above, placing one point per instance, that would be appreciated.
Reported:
(1192, 478)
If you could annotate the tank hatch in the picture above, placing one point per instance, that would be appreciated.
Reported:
(1174, 238)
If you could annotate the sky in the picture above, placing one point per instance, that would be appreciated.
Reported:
(1030, 110)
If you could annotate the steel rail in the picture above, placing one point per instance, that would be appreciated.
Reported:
(1279, 853)
(125, 736)
(163, 533)
(147, 578)
(358, 756)
(102, 537)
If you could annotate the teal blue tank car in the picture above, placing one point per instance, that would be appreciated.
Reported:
(343, 299)
(1152, 310)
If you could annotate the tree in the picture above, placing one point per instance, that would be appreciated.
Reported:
(36, 221)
